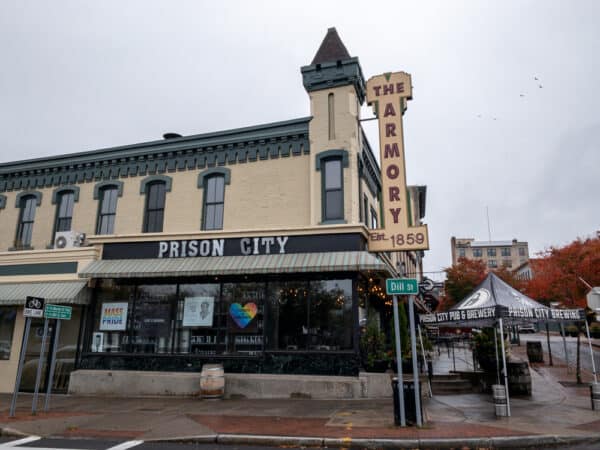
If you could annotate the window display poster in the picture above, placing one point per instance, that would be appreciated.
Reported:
(198, 311)
(242, 318)
(98, 342)
(113, 316)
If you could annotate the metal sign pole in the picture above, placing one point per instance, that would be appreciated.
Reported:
(13, 403)
(413, 346)
(564, 339)
(587, 330)
(505, 370)
(52, 367)
(38, 376)
(497, 362)
(425, 360)
(399, 363)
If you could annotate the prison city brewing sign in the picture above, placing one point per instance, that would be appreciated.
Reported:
(388, 94)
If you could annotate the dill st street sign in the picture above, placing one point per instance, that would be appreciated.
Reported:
(401, 286)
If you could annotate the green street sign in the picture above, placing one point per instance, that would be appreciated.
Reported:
(58, 312)
(401, 286)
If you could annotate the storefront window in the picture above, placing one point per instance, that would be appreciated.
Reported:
(152, 319)
(314, 315)
(243, 309)
(199, 326)
(7, 326)
(112, 317)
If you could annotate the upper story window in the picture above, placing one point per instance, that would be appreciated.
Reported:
(155, 207)
(331, 115)
(462, 253)
(155, 187)
(505, 251)
(64, 211)
(107, 210)
(477, 253)
(492, 263)
(331, 163)
(333, 192)
(491, 252)
(374, 224)
(365, 210)
(107, 193)
(27, 202)
(521, 251)
(214, 202)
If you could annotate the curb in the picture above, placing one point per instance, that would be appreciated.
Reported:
(11, 432)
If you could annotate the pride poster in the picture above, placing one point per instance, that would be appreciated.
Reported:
(113, 316)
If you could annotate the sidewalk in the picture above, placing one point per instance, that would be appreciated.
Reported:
(556, 413)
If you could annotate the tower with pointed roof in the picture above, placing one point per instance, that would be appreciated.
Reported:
(336, 87)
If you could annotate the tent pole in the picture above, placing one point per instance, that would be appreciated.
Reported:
(497, 362)
(564, 338)
(425, 361)
(505, 371)
(587, 330)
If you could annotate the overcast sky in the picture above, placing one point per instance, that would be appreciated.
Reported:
(480, 132)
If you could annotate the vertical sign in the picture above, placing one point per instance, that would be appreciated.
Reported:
(388, 94)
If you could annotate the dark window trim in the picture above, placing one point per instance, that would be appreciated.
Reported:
(226, 173)
(205, 178)
(60, 190)
(99, 189)
(331, 154)
(154, 178)
(104, 184)
(146, 183)
(2, 201)
(20, 195)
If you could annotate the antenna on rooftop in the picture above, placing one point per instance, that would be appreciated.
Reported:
(487, 212)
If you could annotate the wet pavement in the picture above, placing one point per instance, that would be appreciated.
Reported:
(555, 411)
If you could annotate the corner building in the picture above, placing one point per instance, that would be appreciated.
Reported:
(245, 247)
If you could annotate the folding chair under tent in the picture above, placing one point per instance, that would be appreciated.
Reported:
(495, 303)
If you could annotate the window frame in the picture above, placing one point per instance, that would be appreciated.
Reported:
(60, 221)
(205, 202)
(100, 216)
(326, 205)
(20, 202)
(147, 211)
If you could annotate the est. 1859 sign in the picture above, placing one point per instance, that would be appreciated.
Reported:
(388, 94)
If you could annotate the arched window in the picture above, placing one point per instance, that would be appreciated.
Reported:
(331, 164)
(27, 204)
(155, 207)
(107, 209)
(214, 202)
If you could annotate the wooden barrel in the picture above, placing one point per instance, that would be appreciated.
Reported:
(212, 381)
(595, 394)
(500, 400)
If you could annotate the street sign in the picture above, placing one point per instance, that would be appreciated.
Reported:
(58, 312)
(401, 286)
(34, 307)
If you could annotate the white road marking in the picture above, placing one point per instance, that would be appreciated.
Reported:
(20, 441)
(125, 445)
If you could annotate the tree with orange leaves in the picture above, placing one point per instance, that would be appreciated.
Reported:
(461, 279)
(558, 272)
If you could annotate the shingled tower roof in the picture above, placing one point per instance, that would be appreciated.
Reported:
(332, 49)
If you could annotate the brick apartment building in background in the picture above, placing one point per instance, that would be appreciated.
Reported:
(510, 254)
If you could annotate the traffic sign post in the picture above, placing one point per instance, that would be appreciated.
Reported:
(401, 286)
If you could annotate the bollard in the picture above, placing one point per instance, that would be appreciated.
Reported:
(500, 400)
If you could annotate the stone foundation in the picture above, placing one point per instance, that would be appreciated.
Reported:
(127, 383)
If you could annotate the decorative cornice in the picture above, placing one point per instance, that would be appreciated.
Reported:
(338, 73)
(56, 192)
(261, 142)
(153, 178)
(36, 194)
(224, 172)
(103, 184)
(342, 154)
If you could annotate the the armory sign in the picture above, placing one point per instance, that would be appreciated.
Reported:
(388, 94)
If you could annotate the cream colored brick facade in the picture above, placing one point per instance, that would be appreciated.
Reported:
(495, 254)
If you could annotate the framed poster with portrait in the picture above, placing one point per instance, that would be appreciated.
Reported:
(198, 311)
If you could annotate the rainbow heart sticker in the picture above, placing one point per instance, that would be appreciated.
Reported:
(242, 315)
